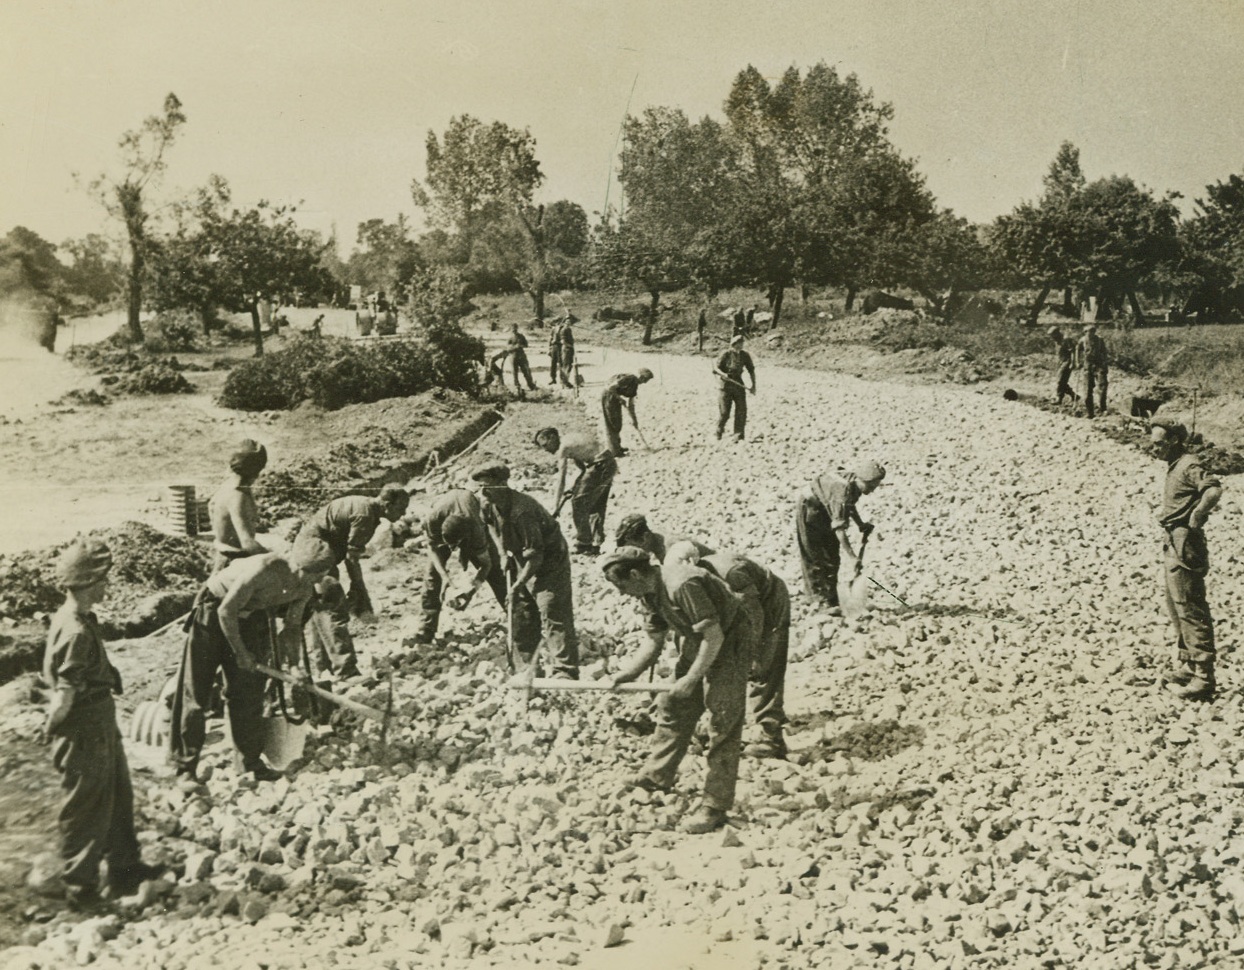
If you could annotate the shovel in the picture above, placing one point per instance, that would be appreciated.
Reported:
(350, 705)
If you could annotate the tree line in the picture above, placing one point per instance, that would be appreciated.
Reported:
(797, 185)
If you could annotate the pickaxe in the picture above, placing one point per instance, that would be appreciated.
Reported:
(350, 705)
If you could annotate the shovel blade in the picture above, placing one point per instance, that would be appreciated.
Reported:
(284, 742)
(853, 597)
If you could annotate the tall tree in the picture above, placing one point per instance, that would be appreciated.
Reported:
(124, 195)
(96, 272)
(386, 257)
(28, 264)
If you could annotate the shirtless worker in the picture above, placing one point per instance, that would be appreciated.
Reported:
(821, 516)
(732, 394)
(589, 495)
(228, 630)
(232, 508)
(711, 674)
(620, 392)
(526, 535)
(346, 525)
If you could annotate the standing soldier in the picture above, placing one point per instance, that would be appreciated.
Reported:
(619, 392)
(1096, 363)
(456, 524)
(711, 674)
(732, 394)
(96, 820)
(232, 508)
(526, 535)
(566, 353)
(1064, 353)
(1189, 495)
(700, 325)
(230, 627)
(516, 346)
(555, 351)
(821, 516)
(589, 495)
(346, 525)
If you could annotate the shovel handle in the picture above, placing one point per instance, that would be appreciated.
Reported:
(328, 695)
(552, 683)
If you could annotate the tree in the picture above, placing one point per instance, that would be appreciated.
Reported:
(28, 264)
(386, 258)
(1102, 238)
(124, 196)
(943, 258)
(480, 186)
(96, 272)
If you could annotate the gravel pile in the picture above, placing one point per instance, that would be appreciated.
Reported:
(987, 776)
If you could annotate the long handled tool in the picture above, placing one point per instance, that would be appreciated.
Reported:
(350, 705)
(552, 683)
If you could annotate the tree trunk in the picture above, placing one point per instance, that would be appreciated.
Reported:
(779, 292)
(1035, 312)
(803, 294)
(1138, 315)
(651, 317)
(537, 304)
(850, 301)
(134, 299)
(1068, 306)
(256, 328)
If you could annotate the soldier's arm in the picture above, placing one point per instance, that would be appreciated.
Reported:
(1209, 499)
(243, 516)
(229, 613)
(561, 483)
(751, 370)
(630, 408)
(644, 659)
(711, 639)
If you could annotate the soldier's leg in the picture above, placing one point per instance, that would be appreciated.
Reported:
(1103, 379)
(725, 696)
(244, 690)
(1185, 571)
(768, 673)
(580, 513)
(430, 603)
(200, 659)
(328, 630)
(740, 412)
(590, 502)
(555, 597)
(676, 719)
(724, 404)
(554, 366)
(818, 550)
(82, 756)
(122, 850)
(1089, 384)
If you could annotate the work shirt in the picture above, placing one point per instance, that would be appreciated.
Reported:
(75, 657)
(527, 530)
(566, 336)
(626, 385)
(1186, 481)
(1066, 351)
(733, 362)
(464, 503)
(687, 600)
(555, 338)
(742, 575)
(1092, 351)
(346, 525)
(838, 492)
(516, 342)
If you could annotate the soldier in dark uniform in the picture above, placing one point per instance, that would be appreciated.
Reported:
(566, 352)
(1096, 363)
(822, 513)
(516, 346)
(733, 395)
(620, 392)
(1064, 352)
(555, 351)
(711, 674)
(1189, 495)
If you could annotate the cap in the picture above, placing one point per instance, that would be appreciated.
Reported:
(631, 555)
(249, 459)
(644, 374)
(630, 529)
(312, 555)
(84, 563)
(493, 473)
(391, 493)
(545, 433)
(868, 471)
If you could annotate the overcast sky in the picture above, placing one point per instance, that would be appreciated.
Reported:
(329, 101)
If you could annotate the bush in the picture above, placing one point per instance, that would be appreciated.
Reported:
(153, 377)
(173, 330)
(334, 371)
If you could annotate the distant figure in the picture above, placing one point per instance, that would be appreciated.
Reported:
(732, 394)
(516, 347)
(566, 353)
(1064, 353)
(749, 321)
(740, 323)
(555, 350)
(700, 325)
(822, 514)
(364, 320)
(1093, 356)
(620, 393)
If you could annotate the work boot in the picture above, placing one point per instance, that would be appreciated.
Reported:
(262, 771)
(646, 783)
(1180, 674)
(773, 746)
(703, 820)
(1200, 687)
(125, 882)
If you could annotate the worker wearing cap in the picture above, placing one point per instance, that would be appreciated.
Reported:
(822, 514)
(346, 525)
(232, 508)
(555, 350)
(620, 392)
(96, 819)
(455, 523)
(711, 673)
(566, 351)
(528, 539)
(1064, 355)
(229, 629)
(1093, 357)
(516, 346)
(732, 395)
(589, 495)
(1189, 495)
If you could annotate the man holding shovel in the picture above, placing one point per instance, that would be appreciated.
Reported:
(711, 674)
(822, 514)
(527, 536)
(589, 495)
(346, 525)
(230, 629)
(732, 393)
(620, 392)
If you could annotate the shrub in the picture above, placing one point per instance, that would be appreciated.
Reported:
(173, 330)
(153, 377)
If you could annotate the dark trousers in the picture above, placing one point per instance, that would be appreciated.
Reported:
(96, 819)
(430, 601)
(566, 368)
(770, 649)
(590, 500)
(723, 694)
(518, 360)
(1187, 561)
(732, 396)
(329, 641)
(1096, 378)
(555, 358)
(548, 599)
(1062, 386)
(611, 416)
(819, 552)
(206, 652)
